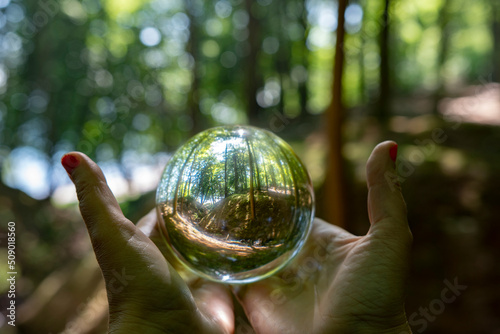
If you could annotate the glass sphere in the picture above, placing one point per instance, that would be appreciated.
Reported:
(235, 204)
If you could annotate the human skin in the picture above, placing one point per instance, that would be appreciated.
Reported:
(339, 283)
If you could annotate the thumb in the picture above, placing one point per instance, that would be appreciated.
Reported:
(114, 238)
(98, 206)
(118, 244)
(386, 206)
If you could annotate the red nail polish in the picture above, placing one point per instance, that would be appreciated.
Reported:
(393, 152)
(69, 163)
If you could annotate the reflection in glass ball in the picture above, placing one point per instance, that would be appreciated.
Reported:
(236, 204)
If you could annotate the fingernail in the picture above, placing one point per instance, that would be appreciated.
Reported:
(393, 152)
(69, 163)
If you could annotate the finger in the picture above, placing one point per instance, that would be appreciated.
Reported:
(114, 238)
(116, 241)
(149, 226)
(98, 206)
(386, 206)
(215, 303)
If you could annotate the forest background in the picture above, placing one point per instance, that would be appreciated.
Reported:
(128, 81)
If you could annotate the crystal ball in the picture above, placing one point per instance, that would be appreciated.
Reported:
(235, 204)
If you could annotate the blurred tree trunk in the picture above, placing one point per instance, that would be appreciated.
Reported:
(334, 205)
(302, 86)
(192, 49)
(282, 60)
(384, 103)
(496, 40)
(444, 46)
(252, 68)
(362, 76)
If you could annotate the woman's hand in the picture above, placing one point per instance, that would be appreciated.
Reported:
(341, 283)
(145, 294)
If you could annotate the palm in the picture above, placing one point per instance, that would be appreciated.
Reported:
(337, 280)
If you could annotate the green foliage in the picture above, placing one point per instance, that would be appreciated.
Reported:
(113, 77)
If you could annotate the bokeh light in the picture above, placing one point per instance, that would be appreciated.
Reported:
(150, 36)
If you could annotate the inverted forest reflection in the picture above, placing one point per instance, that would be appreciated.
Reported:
(237, 203)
